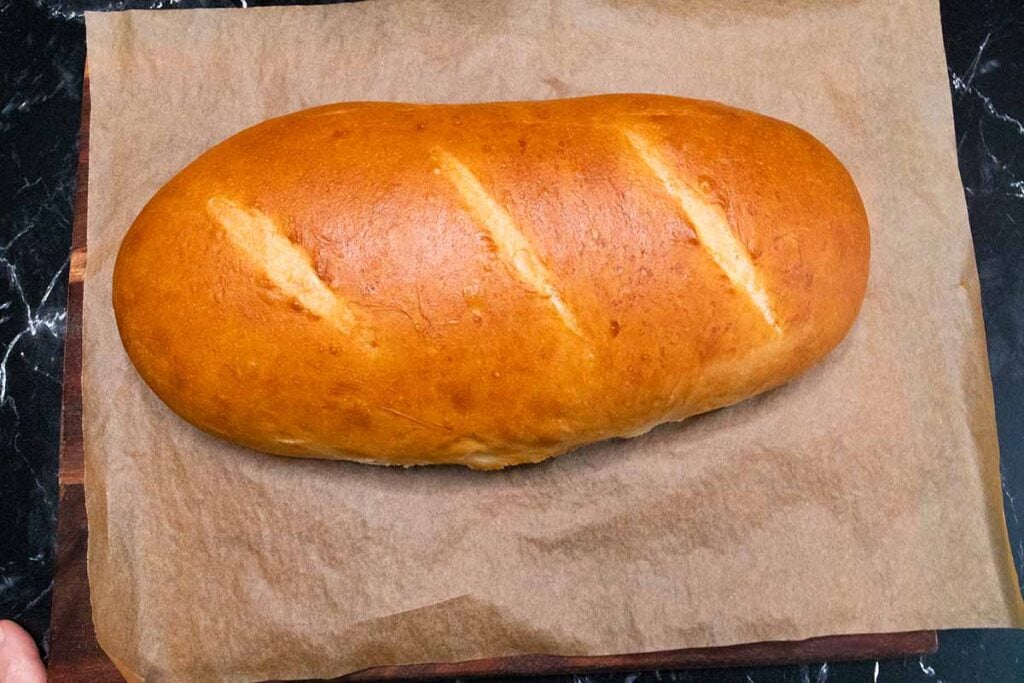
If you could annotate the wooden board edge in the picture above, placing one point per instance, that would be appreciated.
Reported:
(74, 653)
(839, 648)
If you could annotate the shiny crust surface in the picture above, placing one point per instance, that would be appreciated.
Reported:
(488, 284)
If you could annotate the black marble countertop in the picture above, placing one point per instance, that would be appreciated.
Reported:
(42, 53)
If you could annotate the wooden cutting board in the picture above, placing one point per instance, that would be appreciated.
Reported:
(76, 656)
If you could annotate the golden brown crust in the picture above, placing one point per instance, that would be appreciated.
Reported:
(488, 284)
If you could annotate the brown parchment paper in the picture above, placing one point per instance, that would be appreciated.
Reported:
(861, 497)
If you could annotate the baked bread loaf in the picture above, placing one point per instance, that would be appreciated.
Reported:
(488, 284)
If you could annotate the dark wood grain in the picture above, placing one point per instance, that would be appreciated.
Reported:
(74, 653)
(76, 656)
(829, 648)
